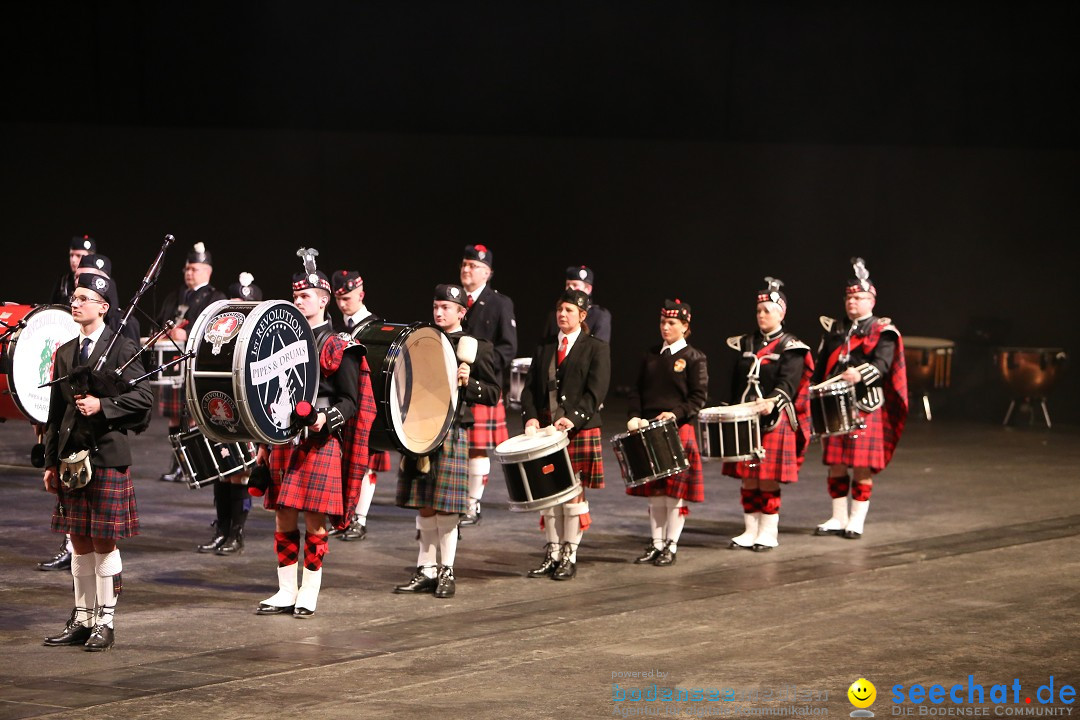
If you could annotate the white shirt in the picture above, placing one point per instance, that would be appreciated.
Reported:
(570, 340)
(94, 337)
(674, 347)
(476, 293)
(362, 313)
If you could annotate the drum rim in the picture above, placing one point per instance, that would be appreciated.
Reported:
(558, 440)
(832, 387)
(640, 431)
(11, 344)
(717, 413)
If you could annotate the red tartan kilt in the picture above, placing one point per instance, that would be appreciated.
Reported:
(489, 426)
(379, 461)
(781, 462)
(105, 508)
(587, 457)
(688, 485)
(171, 403)
(306, 476)
(862, 448)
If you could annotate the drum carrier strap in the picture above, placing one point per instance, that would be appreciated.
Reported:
(753, 378)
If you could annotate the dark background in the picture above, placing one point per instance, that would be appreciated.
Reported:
(680, 149)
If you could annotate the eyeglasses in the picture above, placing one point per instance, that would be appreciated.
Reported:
(80, 299)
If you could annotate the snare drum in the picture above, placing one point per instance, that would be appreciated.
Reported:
(519, 369)
(253, 362)
(650, 453)
(731, 433)
(203, 461)
(833, 410)
(162, 352)
(26, 357)
(538, 470)
(414, 381)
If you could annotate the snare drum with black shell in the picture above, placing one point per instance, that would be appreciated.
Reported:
(204, 461)
(731, 433)
(650, 453)
(833, 409)
(538, 470)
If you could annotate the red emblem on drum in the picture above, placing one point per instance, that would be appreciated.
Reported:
(220, 409)
(547, 469)
(222, 329)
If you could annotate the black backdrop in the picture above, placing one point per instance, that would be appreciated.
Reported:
(680, 149)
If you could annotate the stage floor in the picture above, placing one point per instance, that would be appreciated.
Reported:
(968, 567)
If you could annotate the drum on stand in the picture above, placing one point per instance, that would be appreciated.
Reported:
(648, 453)
(252, 363)
(929, 366)
(519, 369)
(833, 410)
(731, 433)
(204, 461)
(414, 381)
(29, 336)
(1030, 374)
(538, 470)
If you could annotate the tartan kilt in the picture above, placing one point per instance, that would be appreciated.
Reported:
(306, 476)
(781, 462)
(861, 448)
(379, 461)
(104, 508)
(171, 403)
(489, 426)
(587, 457)
(446, 487)
(688, 485)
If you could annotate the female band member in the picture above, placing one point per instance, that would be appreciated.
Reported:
(673, 384)
(565, 387)
(773, 370)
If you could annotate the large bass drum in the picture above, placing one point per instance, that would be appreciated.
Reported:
(414, 380)
(253, 362)
(29, 336)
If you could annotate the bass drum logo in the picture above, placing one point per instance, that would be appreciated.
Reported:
(222, 329)
(220, 409)
(281, 369)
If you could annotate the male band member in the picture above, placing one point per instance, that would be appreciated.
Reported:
(307, 476)
(96, 264)
(231, 500)
(439, 490)
(773, 373)
(579, 277)
(80, 247)
(102, 511)
(490, 317)
(349, 296)
(868, 352)
(184, 307)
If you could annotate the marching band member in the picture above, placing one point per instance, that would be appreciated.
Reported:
(490, 317)
(307, 475)
(102, 511)
(581, 368)
(96, 264)
(773, 370)
(231, 500)
(80, 247)
(672, 384)
(438, 488)
(579, 277)
(349, 296)
(184, 307)
(868, 352)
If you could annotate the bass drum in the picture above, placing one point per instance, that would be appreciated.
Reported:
(28, 339)
(414, 380)
(252, 363)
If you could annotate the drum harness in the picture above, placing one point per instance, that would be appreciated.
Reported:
(753, 382)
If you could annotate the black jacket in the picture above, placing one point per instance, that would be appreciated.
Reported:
(581, 382)
(492, 318)
(483, 387)
(105, 432)
(203, 297)
(677, 383)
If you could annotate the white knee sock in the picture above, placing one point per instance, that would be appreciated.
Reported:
(287, 587)
(108, 568)
(308, 595)
(367, 492)
(84, 573)
(675, 521)
(768, 527)
(553, 526)
(479, 467)
(839, 519)
(448, 537)
(572, 531)
(657, 520)
(429, 534)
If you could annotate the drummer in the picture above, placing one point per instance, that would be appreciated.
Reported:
(581, 367)
(80, 247)
(183, 307)
(231, 500)
(490, 317)
(672, 384)
(868, 352)
(307, 475)
(772, 372)
(437, 486)
(580, 277)
(349, 296)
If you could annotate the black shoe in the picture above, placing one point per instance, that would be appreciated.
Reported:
(822, 532)
(265, 609)
(355, 531)
(59, 561)
(446, 586)
(220, 536)
(173, 474)
(666, 557)
(302, 613)
(761, 548)
(101, 639)
(852, 535)
(420, 583)
(547, 567)
(234, 545)
(566, 570)
(472, 519)
(74, 633)
(650, 554)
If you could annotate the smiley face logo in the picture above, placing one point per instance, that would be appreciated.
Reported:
(862, 693)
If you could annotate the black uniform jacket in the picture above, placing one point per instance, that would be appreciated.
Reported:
(483, 387)
(106, 432)
(677, 383)
(170, 309)
(581, 382)
(492, 318)
(338, 392)
(779, 379)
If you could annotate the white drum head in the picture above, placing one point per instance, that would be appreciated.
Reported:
(47, 328)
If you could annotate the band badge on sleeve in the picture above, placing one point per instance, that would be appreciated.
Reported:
(679, 365)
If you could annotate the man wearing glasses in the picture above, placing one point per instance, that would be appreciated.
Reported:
(103, 510)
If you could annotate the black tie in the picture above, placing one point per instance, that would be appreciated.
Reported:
(665, 352)
(189, 295)
(84, 352)
(349, 324)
